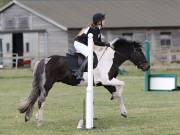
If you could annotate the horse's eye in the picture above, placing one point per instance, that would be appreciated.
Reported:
(138, 49)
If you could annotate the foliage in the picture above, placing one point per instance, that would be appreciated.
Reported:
(3, 2)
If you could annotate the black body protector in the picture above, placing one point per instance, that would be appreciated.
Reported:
(82, 37)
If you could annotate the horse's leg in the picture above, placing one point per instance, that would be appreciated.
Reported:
(45, 86)
(41, 102)
(124, 112)
(39, 114)
(116, 92)
(119, 96)
(27, 105)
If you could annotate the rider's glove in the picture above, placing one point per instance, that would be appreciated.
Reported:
(108, 44)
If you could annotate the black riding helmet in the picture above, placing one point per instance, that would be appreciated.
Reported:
(98, 17)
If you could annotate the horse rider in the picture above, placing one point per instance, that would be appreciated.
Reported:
(81, 40)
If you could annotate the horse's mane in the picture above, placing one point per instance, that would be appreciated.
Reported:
(123, 45)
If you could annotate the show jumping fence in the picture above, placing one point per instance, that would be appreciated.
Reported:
(157, 82)
(89, 90)
(88, 109)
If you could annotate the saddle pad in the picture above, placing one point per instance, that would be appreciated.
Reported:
(76, 60)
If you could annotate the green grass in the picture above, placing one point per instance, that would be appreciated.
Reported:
(150, 113)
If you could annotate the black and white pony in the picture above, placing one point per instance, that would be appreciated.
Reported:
(55, 69)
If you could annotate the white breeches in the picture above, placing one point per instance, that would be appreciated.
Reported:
(81, 48)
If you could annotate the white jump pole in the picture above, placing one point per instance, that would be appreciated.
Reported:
(89, 90)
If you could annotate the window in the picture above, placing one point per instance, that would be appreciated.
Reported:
(7, 47)
(27, 47)
(163, 58)
(23, 22)
(17, 22)
(128, 36)
(173, 58)
(165, 39)
(10, 23)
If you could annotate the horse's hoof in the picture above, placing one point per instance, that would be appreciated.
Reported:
(124, 115)
(26, 118)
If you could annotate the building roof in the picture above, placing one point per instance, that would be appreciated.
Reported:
(119, 13)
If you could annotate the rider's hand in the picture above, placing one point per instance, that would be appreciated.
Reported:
(108, 44)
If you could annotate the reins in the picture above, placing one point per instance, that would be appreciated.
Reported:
(106, 50)
(103, 53)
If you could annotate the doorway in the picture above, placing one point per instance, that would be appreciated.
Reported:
(17, 48)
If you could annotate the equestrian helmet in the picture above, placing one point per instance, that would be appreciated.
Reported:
(98, 17)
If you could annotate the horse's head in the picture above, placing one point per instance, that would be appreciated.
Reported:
(131, 50)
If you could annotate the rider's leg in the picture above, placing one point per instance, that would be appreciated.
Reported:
(79, 72)
(83, 49)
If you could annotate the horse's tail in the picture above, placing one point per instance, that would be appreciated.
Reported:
(27, 105)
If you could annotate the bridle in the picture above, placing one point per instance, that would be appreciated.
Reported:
(112, 49)
(135, 52)
(137, 63)
(103, 53)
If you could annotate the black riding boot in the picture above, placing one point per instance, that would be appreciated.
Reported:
(79, 73)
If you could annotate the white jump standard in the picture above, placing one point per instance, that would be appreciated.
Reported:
(88, 106)
(89, 90)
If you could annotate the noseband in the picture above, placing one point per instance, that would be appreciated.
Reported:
(135, 61)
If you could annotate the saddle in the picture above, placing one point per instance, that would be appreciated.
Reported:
(76, 59)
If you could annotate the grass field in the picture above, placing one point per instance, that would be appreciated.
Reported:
(150, 113)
